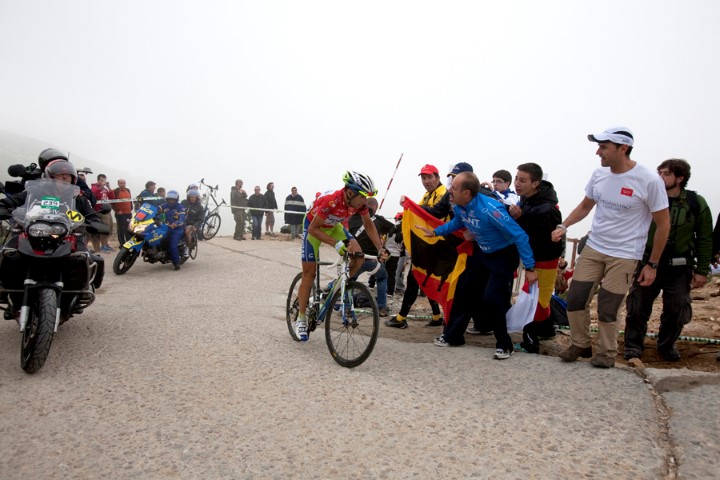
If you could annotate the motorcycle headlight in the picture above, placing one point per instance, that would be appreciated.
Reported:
(139, 228)
(42, 230)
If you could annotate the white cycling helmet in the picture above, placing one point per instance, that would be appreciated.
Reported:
(360, 183)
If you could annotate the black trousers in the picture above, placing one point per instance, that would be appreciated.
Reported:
(486, 292)
(676, 313)
(411, 294)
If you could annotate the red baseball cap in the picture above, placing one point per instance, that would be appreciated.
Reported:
(429, 170)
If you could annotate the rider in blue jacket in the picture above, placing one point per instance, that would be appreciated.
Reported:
(175, 219)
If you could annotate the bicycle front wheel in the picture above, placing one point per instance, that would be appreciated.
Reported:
(351, 330)
(211, 227)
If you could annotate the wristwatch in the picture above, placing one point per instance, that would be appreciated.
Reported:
(652, 265)
(529, 269)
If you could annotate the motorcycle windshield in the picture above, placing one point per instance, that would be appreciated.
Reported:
(51, 201)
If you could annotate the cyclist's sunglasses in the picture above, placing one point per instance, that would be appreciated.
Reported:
(366, 194)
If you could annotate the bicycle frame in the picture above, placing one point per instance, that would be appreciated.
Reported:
(211, 196)
(339, 283)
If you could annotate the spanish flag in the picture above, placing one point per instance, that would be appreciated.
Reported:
(437, 262)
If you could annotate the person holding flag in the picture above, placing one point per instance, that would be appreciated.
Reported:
(502, 244)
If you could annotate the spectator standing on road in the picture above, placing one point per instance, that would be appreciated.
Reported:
(123, 211)
(101, 191)
(394, 246)
(257, 200)
(501, 181)
(465, 304)
(538, 214)
(716, 237)
(383, 227)
(84, 187)
(502, 244)
(628, 196)
(270, 203)
(239, 200)
(149, 192)
(434, 191)
(684, 264)
(294, 212)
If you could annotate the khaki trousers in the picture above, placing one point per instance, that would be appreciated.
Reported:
(614, 276)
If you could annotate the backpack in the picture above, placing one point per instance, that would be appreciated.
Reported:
(693, 203)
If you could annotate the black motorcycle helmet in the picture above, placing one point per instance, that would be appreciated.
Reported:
(56, 167)
(48, 155)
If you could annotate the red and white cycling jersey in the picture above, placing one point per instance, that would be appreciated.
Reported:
(331, 207)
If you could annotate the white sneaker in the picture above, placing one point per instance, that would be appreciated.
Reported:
(501, 354)
(301, 329)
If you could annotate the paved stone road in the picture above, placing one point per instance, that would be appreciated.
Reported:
(192, 374)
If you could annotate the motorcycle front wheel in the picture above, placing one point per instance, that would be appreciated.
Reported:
(124, 260)
(38, 334)
(211, 227)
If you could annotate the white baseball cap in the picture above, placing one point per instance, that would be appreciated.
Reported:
(619, 135)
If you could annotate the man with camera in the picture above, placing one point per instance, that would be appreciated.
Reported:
(684, 264)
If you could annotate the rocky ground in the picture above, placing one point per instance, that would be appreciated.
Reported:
(697, 354)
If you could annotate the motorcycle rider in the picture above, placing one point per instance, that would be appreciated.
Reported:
(62, 170)
(51, 154)
(175, 218)
(195, 214)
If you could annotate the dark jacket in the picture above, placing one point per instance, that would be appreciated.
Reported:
(194, 213)
(540, 216)
(294, 204)
(270, 199)
(690, 237)
(257, 200)
(355, 225)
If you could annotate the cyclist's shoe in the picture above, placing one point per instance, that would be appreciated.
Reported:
(301, 329)
(383, 312)
(395, 323)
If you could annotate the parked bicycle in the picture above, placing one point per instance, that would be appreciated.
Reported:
(350, 330)
(211, 225)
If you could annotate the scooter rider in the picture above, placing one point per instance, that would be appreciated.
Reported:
(175, 218)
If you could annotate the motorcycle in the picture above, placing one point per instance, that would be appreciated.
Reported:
(46, 273)
(149, 240)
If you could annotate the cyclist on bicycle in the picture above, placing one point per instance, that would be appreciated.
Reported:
(324, 224)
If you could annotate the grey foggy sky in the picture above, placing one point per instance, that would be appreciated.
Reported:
(297, 92)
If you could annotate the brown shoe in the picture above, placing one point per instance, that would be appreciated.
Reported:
(382, 311)
(602, 360)
(574, 352)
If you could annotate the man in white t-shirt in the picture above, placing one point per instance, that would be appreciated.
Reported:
(628, 197)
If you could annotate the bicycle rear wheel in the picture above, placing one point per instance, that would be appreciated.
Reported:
(193, 247)
(351, 332)
(292, 308)
(211, 227)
